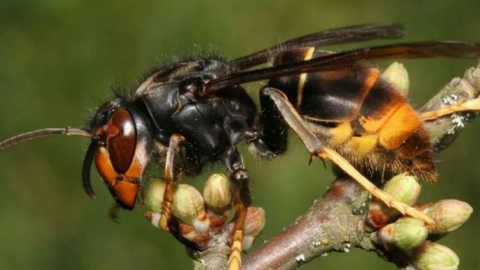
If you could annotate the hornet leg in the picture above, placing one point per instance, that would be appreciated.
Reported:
(461, 106)
(316, 149)
(242, 200)
(171, 176)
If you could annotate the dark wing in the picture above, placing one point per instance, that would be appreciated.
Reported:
(351, 34)
(434, 49)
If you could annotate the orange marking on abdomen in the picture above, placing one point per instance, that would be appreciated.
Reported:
(370, 80)
(399, 127)
(361, 145)
(341, 133)
(379, 106)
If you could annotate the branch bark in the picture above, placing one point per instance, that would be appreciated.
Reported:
(333, 223)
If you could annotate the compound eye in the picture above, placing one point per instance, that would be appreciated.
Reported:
(121, 140)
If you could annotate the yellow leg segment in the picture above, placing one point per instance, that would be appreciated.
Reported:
(461, 106)
(235, 260)
(171, 176)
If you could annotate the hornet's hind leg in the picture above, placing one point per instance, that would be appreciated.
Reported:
(315, 147)
(461, 106)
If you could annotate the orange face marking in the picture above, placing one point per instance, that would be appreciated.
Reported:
(126, 192)
(399, 127)
(123, 188)
(105, 167)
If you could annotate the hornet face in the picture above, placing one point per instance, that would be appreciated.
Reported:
(121, 146)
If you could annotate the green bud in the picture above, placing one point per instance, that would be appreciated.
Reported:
(448, 215)
(153, 190)
(409, 233)
(254, 221)
(403, 188)
(406, 233)
(398, 75)
(432, 256)
(217, 195)
(189, 208)
(254, 224)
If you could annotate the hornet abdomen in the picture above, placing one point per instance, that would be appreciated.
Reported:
(357, 112)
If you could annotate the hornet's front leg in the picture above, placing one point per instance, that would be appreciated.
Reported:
(315, 147)
(242, 200)
(171, 176)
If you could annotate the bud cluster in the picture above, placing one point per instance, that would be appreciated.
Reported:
(201, 215)
(410, 239)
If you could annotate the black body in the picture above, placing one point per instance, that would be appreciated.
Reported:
(212, 125)
(169, 102)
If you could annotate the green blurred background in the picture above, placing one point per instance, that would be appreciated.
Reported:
(59, 59)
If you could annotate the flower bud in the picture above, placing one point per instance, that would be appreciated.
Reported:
(398, 75)
(189, 208)
(218, 199)
(406, 233)
(153, 190)
(403, 188)
(254, 224)
(448, 215)
(216, 193)
(432, 256)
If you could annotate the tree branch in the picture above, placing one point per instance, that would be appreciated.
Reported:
(333, 223)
